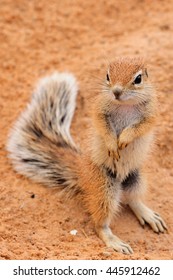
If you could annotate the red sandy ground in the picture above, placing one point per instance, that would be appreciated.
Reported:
(37, 37)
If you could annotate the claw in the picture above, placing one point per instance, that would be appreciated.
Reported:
(122, 145)
(114, 154)
(117, 155)
(119, 246)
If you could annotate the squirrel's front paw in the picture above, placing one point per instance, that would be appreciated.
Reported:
(124, 139)
(114, 154)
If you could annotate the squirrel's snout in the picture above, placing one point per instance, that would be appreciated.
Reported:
(117, 91)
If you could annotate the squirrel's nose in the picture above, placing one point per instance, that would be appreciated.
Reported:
(117, 91)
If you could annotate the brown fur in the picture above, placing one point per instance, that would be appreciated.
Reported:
(122, 69)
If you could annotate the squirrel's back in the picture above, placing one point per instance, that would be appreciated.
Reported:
(38, 142)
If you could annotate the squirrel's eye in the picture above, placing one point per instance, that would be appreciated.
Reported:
(138, 80)
(107, 78)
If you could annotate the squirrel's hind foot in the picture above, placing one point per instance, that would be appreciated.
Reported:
(146, 215)
(112, 241)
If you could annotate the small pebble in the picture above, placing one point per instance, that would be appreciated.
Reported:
(73, 232)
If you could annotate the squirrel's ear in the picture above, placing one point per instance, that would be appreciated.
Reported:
(146, 73)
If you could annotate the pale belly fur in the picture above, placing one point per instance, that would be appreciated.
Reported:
(124, 116)
(134, 154)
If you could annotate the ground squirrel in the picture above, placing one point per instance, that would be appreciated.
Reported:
(123, 115)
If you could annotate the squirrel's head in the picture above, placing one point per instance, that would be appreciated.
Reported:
(127, 81)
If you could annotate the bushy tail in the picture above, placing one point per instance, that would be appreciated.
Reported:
(40, 145)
